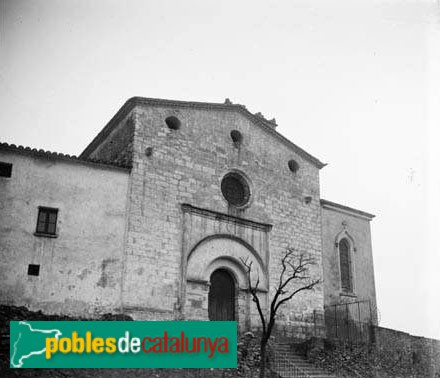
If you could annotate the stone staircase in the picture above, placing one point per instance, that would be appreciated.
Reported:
(288, 364)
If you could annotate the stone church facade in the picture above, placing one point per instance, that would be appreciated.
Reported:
(156, 215)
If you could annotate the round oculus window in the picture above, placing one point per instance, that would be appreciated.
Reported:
(173, 123)
(235, 189)
(293, 166)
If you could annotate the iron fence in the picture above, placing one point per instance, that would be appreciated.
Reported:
(350, 322)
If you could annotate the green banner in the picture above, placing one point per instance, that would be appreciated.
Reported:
(122, 344)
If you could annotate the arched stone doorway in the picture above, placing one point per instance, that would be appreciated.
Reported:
(221, 297)
(214, 264)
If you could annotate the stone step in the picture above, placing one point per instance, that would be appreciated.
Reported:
(311, 369)
(287, 360)
(308, 374)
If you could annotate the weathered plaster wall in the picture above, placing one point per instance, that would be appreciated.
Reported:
(187, 166)
(341, 223)
(80, 269)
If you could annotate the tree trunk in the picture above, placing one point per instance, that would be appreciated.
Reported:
(263, 358)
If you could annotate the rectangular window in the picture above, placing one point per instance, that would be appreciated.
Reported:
(33, 270)
(5, 169)
(47, 221)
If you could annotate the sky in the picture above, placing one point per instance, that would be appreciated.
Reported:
(355, 83)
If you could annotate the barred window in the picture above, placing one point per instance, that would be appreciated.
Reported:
(345, 264)
(47, 221)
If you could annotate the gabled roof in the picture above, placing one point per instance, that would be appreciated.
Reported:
(345, 209)
(258, 119)
(59, 156)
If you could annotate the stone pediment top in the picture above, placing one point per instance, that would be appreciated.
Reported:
(187, 208)
(267, 125)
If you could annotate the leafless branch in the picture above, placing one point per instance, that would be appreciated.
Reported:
(295, 269)
(253, 289)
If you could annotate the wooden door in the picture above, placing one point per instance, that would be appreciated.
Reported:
(221, 299)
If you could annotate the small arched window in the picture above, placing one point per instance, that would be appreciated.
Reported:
(345, 265)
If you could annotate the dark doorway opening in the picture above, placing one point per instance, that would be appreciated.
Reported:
(221, 298)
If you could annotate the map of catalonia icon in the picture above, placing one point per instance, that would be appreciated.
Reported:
(27, 342)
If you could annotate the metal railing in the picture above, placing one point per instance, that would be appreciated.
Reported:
(349, 322)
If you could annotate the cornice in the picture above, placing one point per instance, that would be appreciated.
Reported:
(346, 210)
(49, 155)
(187, 208)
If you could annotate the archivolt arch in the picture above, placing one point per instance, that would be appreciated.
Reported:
(345, 234)
(225, 251)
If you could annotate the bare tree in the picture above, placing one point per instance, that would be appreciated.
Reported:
(294, 278)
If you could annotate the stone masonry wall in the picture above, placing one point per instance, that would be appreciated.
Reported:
(421, 352)
(393, 354)
(118, 146)
(80, 268)
(187, 166)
